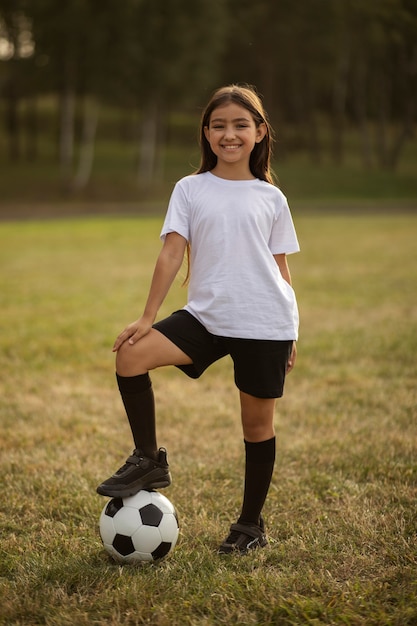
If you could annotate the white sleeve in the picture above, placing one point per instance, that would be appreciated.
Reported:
(283, 238)
(177, 218)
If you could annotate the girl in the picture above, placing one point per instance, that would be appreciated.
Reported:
(237, 228)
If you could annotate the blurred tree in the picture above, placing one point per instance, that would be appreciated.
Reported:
(383, 75)
(15, 75)
(318, 63)
(140, 53)
(395, 78)
(172, 55)
(284, 49)
(342, 61)
(78, 41)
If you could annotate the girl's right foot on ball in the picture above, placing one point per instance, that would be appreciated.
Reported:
(139, 472)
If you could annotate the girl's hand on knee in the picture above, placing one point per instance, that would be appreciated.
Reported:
(132, 333)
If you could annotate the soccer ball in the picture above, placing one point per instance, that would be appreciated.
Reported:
(143, 527)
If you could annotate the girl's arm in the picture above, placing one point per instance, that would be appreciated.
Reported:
(166, 268)
(282, 263)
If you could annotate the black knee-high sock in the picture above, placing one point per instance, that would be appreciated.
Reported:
(138, 400)
(260, 460)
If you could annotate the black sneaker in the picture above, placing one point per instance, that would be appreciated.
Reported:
(244, 537)
(139, 472)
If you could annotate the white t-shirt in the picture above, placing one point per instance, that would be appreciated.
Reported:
(234, 227)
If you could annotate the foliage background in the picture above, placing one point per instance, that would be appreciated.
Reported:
(90, 91)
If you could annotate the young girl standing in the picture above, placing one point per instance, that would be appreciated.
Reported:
(238, 230)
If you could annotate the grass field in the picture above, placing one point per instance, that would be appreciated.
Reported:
(341, 513)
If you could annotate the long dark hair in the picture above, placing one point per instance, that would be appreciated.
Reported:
(246, 97)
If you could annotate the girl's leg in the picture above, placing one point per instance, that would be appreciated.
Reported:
(152, 351)
(258, 430)
(259, 435)
(133, 363)
(147, 467)
(257, 417)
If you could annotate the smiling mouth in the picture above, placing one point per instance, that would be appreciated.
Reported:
(231, 147)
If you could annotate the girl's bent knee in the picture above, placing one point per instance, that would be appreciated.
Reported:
(128, 361)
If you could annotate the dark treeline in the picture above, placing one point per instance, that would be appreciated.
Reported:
(320, 64)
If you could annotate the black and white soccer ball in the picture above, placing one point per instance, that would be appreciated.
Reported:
(143, 527)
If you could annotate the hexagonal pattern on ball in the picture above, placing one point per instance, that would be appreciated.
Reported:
(143, 527)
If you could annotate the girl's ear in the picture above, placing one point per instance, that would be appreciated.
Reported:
(206, 133)
(260, 132)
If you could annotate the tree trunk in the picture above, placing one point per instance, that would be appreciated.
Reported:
(394, 152)
(148, 144)
(66, 135)
(340, 85)
(408, 71)
(339, 105)
(67, 117)
(12, 117)
(360, 102)
(310, 118)
(86, 158)
(31, 124)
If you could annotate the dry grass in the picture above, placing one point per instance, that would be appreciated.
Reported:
(341, 512)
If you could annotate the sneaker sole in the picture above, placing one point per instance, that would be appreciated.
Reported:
(159, 482)
(229, 550)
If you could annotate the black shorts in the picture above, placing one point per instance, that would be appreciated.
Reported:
(259, 365)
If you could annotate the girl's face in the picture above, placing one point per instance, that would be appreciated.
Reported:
(232, 135)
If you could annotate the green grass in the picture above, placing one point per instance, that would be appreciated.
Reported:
(341, 513)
